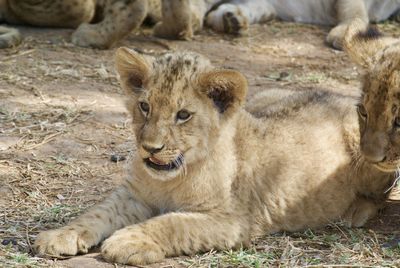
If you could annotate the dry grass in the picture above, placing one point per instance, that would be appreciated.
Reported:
(334, 246)
(40, 192)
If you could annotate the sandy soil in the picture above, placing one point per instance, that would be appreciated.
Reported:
(62, 117)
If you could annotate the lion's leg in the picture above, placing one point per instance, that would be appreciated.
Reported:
(182, 18)
(236, 16)
(360, 211)
(346, 11)
(176, 20)
(171, 234)
(51, 13)
(117, 211)
(120, 18)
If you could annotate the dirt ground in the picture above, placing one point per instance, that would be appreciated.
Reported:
(62, 121)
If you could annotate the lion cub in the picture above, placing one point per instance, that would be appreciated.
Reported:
(379, 107)
(209, 175)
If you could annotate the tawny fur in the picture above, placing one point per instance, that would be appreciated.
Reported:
(101, 23)
(295, 164)
(235, 16)
(379, 107)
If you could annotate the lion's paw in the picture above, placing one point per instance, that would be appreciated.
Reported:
(87, 35)
(336, 36)
(131, 247)
(170, 31)
(229, 19)
(64, 241)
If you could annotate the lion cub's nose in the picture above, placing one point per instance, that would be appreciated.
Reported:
(152, 148)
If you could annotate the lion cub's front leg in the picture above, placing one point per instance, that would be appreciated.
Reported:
(119, 210)
(361, 211)
(171, 235)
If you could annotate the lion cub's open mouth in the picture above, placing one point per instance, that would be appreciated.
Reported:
(160, 165)
(387, 167)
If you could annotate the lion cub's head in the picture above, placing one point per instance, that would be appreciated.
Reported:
(179, 104)
(379, 109)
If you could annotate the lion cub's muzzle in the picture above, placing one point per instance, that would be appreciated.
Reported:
(391, 163)
(162, 159)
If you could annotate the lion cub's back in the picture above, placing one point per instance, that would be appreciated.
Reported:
(286, 103)
(304, 151)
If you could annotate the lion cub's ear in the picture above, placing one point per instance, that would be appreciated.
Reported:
(226, 88)
(133, 68)
(364, 43)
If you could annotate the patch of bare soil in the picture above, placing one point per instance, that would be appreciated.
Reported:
(62, 121)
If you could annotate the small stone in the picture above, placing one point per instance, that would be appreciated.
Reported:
(117, 158)
(9, 241)
(283, 76)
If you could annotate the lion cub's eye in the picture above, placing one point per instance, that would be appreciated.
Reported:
(183, 115)
(362, 111)
(144, 107)
(397, 122)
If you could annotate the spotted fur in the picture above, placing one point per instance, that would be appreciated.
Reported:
(220, 177)
(101, 23)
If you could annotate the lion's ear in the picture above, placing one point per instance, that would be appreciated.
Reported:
(363, 43)
(133, 68)
(226, 88)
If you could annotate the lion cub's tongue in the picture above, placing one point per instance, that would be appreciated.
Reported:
(157, 161)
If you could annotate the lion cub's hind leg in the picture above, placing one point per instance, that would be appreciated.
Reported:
(360, 212)
(119, 19)
(236, 16)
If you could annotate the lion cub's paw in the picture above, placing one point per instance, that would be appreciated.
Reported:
(132, 247)
(167, 30)
(360, 212)
(229, 19)
(64, 241)
(87, 35)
